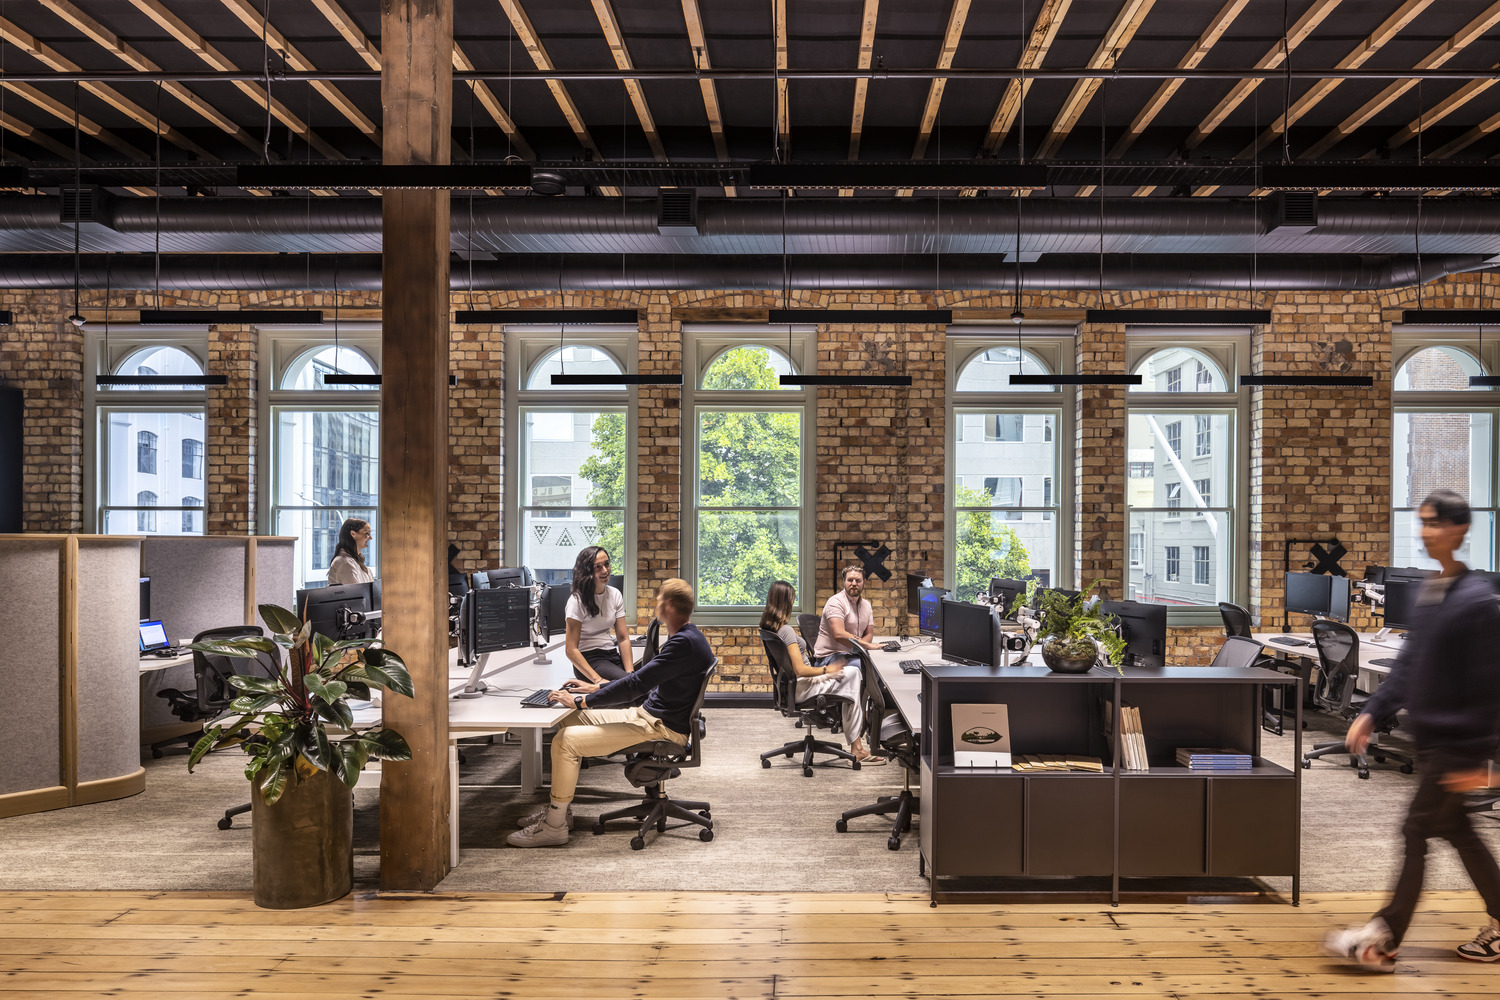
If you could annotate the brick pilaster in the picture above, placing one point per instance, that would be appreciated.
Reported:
(229, 452)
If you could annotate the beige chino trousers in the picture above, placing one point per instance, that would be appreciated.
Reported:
(598, 732)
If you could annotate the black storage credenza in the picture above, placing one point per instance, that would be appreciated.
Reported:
(1164, 822)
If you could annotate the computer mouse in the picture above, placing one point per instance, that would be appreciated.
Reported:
(892, 647)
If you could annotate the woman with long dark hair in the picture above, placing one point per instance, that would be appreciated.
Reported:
(593, 610)
(842, 681)
(348, 565)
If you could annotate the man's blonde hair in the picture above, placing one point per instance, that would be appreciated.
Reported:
(679, 594)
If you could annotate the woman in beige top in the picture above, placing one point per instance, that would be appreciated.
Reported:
(348, 565)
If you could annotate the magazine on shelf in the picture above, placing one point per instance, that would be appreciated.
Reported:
(981, 736)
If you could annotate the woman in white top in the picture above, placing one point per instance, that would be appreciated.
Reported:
(348, 565)
(594, 609)
(842, 681)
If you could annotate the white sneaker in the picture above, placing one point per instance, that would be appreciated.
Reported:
(1486, 944)
(540, 814)
(539, 834)
(1371, 945)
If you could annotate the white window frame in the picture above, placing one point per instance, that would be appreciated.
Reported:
(526, 347)
(122, 341)
(1482, 344)
(1225, 347)
(702, 344)
(1054, 348)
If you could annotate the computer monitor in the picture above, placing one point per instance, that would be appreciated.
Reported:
(914, 584)
(1401, 603)
(1144, 629)
(1069, 594)
(338, 612)
(497, 618)
(145, 598)
(1339, 589)
(506, 576)
(555, 610)
(930, 616)
(1308, 593)
(618, 582)
(967, 632)
(1005, 593)
(1375, 574)
(1407, 574)
(375, 595)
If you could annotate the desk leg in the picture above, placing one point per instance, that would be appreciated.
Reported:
(453, 804)
(531, 761)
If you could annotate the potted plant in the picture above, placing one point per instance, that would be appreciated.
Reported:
(302, 803)
(1075, 634)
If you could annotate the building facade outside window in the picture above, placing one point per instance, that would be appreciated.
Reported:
(134, 427)
(1202, 479)
(1443, 437)
(192, 458)
(1003, 508)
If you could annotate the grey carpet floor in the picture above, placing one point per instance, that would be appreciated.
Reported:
(774, 828)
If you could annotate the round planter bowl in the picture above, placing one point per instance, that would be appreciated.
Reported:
(1063, 665)
(304, 844)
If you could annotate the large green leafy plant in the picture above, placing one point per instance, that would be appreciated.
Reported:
(1070, 627)
(283, 720)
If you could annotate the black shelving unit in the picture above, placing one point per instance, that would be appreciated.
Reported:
(1167, 821)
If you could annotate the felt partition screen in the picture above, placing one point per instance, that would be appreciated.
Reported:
(31, 668)
(274, 580)
(197, 582)
(109, 669)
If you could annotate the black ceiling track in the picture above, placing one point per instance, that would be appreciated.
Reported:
(545, 317)
(231, 317)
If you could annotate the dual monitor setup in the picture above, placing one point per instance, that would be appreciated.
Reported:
(974, 632)
(1325, 596)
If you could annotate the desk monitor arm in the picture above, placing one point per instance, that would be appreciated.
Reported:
(538, 637)
(475, 687)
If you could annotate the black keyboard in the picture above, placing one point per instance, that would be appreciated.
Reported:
(537, 699)
(911, 666)
(1384, 661)
(1289, 640)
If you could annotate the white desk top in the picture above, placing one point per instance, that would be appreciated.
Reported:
(905, 688)
(1370, 648)
(150, 663)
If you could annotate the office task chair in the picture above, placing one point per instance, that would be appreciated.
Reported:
(820, 710)
(212, 692)
(650, 766)
(1338, 655)
(888, 733)
(808, 625)
(1237, 625)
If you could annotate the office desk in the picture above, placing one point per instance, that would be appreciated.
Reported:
(153, 663)
(906, 689)
(1370, 649)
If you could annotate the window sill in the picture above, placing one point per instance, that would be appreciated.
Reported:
(727, 619)
(1203, 617)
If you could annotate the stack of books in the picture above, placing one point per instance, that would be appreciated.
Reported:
(1213, 759)
(1054, 762)
(1133, 740)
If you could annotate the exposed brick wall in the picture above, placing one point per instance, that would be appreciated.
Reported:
(1099, 475)
(42, 354)
(476, 437)
(232, 430)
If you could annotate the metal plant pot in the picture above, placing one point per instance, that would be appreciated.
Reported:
(304, 844)
(1066, 665)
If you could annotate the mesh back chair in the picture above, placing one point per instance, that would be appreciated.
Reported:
(1338, 656)
(818, 711)
(649, 766)
(1239, 651)
(1237, 624)
(809, 625)
(888, 733)
(213, 692)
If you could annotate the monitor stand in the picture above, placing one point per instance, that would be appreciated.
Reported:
(475, 687)
(1382, 634)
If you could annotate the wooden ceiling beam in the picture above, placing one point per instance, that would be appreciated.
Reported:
(1048, 20)
(1119, 35)
(957, 15)
(67, 114)
(1437, 112)
(616, 40)
(37, 137)
(532, 42)
(345, 25)
(195, 43)
(1377, 39)
(862, 85)
(491, 104)
(1304, 26)
(783, 111)
(252, 17)
(1466, 140)
(693, 18)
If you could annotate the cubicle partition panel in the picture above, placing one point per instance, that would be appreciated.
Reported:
(197, 582)
(70, 669)
(275, 580)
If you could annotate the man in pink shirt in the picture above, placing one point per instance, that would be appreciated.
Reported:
(848, 620)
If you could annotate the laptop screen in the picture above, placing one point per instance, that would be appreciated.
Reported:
(153, 636)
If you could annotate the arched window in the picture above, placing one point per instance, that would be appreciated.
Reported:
(158, 360)
(574, 360)
(145, 520)
(990, 371)
(1180, 369)
(307, 370)
(1181, 468)
(1437, 369)
(751, 366)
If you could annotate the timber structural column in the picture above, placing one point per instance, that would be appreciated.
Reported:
(417, 100)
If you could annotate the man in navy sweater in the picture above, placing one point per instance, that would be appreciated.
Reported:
(1447, 677)
(669, 682)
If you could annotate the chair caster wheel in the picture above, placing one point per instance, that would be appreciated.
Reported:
(1406, 769)
(705, 835)
(1364, 772)
(841, 825)
(705, 814)
(225, 823)
(893, 843)
(155, 754)
(856, 765)
(598, 829)
(1380, 760)
(788, 754)
(1353, 762)
(806, 771)
(765, 763)
(1307, 764)
(637, 844)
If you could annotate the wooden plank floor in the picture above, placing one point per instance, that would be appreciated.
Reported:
(215, 946)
